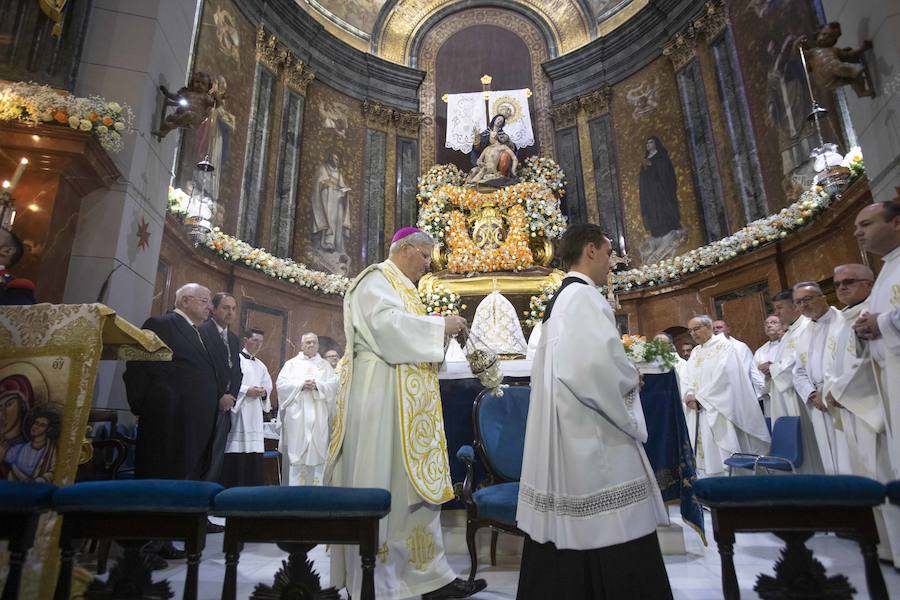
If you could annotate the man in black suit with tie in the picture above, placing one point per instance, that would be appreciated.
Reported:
(225, 348)
(177, 402)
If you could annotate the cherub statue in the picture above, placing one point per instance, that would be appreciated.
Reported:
(832, 67)
(194, 104)
(496, 167)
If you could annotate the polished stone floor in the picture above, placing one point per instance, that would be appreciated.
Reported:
(694, 576)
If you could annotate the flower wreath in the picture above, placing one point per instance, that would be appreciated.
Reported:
(513, 254)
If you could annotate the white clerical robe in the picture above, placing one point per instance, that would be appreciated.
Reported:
(745, 354)
(304, 416)
(729, 420)
(885, 301)
(785, 400)
(382, 336)
(246, 434)
(808, 378)
(766, 354)
(586, 481)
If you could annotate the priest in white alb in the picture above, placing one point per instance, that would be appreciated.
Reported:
(809, 376)
(785, 401)
(878, 231)
(724, 416)
(306, 387)
(746, 356)
(764, 356)
(388, 428)
(588, 497)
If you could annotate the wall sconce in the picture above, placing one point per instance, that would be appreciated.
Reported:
(7, 203)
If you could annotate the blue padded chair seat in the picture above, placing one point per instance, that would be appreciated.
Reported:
(740, 462)
(789, 490)
(893, 491)
(498, 502)
(25, 496)
(302, 501)
(145, 495)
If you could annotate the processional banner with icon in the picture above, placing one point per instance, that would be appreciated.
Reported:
(48, 366)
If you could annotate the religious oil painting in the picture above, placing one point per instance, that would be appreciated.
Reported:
(328, 205)
(660, 205)
(32, 400)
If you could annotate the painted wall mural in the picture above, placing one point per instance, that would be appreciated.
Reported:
(329, 229)
(660, 207)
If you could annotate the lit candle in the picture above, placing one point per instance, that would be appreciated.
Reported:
(17, 175)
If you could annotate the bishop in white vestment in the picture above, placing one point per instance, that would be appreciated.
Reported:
(785, 402)
(724, 417)
(878, 231)
(809, 376)
(306, 387)
(244, 447)
(588, 497)
(388, 428)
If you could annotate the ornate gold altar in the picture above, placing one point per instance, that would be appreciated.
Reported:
(50, 355)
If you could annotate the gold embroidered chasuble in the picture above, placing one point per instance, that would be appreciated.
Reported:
(421, 420)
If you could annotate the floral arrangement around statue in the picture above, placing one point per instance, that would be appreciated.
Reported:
(40, 104)
(763, 231)
(530, 208)
(640, 350)
(441, 301)
(538, 304)
(242, 253)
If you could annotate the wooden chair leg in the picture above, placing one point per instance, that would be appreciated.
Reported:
(14, 577)
(725, 541)
(64, 579)
(103, 547)
(367, 547)
(473, 554)
(874, 577)
(494, 536)
(232, 545)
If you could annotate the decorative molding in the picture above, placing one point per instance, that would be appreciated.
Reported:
(294, 71)
(682, 48)
(267, 50)
(297, 74)
(714, 19)
(596, 103)
(565, 115)
(381, 116)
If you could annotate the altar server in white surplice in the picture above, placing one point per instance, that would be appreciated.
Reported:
(244, 448)
(809, 376)
(388, 428)
(306, 389)
(785, 402)
(878, 231)
(764, 356)
(588, 498)
(724, 416)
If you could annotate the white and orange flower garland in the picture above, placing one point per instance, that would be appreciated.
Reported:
(512, 255)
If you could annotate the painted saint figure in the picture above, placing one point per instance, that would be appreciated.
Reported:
(659, 203)
(331, 217)
(35, 459)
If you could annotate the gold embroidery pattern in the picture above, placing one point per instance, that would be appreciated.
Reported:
(420, 545)
(895, 294)
(382, 553)
(421, 416)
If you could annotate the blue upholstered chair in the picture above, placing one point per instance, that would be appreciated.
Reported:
(499, 423)
(21, 505)
(893, 492)
(785, 453)
(137, 509)
(312, 514)
(794, 507)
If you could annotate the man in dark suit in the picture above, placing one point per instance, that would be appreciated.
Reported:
(225, 348)
(177, 402)
(13, 290)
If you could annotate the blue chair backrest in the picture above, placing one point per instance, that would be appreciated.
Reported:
(787, 442)
(500, 427)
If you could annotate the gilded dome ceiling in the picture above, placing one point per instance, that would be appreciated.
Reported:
(387, 28)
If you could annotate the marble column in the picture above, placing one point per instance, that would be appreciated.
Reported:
(130, 50)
